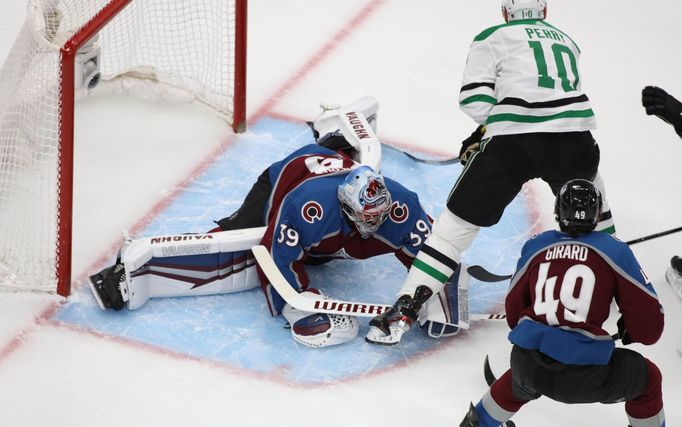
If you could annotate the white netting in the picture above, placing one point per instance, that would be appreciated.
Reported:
(175, 47)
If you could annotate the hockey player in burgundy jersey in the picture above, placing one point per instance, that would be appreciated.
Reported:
(322, 206)
(313, 206)
(558, 301)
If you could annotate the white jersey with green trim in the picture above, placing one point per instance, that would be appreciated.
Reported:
(523, 77)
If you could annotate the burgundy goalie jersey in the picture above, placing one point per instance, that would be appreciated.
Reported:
(561, 295)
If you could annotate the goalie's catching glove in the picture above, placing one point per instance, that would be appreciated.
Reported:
(658, 102)
(471, 145)
(389, 327)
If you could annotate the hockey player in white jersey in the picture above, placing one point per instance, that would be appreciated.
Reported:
(521, 84)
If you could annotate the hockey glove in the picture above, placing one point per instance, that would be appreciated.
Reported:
(471, 145)
(389, 327)
(623, 333)
(658, 102)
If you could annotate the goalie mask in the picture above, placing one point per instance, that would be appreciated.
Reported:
(577, 207)
(514, 10)
(365, 200)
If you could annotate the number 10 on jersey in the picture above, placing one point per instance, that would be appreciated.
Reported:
(560, 53)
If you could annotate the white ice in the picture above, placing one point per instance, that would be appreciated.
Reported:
(410, 56)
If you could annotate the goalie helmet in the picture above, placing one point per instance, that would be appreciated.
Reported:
(577, 207)
(513, 10)
(365, 200)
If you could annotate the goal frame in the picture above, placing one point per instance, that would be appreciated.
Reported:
(67, 94)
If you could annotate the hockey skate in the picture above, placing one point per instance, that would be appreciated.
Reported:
(105, 286)
(673, 276)
(389, 327)
(471, 418)
(109, 285)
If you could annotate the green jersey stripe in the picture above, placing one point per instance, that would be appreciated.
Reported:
(429, 270)
(519, 118)
(479, 98)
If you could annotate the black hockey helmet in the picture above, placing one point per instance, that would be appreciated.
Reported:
(577, 207)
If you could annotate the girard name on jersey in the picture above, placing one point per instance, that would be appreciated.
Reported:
(575, 252)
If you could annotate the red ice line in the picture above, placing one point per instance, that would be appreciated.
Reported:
(44, 318)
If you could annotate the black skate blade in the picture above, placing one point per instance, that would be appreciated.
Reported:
(92, 280)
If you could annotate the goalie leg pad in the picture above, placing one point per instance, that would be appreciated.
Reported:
(357, 123)
(450, 236)
(328, 121)
(447, 312)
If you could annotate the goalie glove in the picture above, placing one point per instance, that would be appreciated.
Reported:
(471, 145)
(658, 102)
(389, 327)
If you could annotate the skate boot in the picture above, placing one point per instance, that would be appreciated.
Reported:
(389, 327)
(674, 275)
(110, 286)
(471, 418)
(106, 286)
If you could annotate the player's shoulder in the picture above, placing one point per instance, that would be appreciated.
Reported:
(595, 238)
(397, 189)
(402, 197)
(507, 26)
(322, 187)
(606, 243)
(523, 28)
(311, 149)
(314, 204)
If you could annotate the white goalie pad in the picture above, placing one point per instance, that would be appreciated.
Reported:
(190, 264)
(357, 121)
(447, 312)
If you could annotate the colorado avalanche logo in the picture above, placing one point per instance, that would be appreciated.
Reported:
(372, 193)
(399, 212)
(312, 211)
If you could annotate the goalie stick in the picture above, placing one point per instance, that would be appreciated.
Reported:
(326, 305)
(480, 273)
(421, 160)
(653, 236)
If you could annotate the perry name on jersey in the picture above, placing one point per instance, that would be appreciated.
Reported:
(306, 224)
(523, 77)
(561, 294)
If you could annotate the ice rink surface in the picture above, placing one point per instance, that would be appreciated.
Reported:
(175, 168)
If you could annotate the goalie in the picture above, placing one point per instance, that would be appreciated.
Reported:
(315, 205)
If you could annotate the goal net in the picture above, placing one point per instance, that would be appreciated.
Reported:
(194, 49)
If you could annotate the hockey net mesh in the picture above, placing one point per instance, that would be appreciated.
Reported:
(175, 47)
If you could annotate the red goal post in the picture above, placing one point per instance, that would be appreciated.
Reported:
(193, 49)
